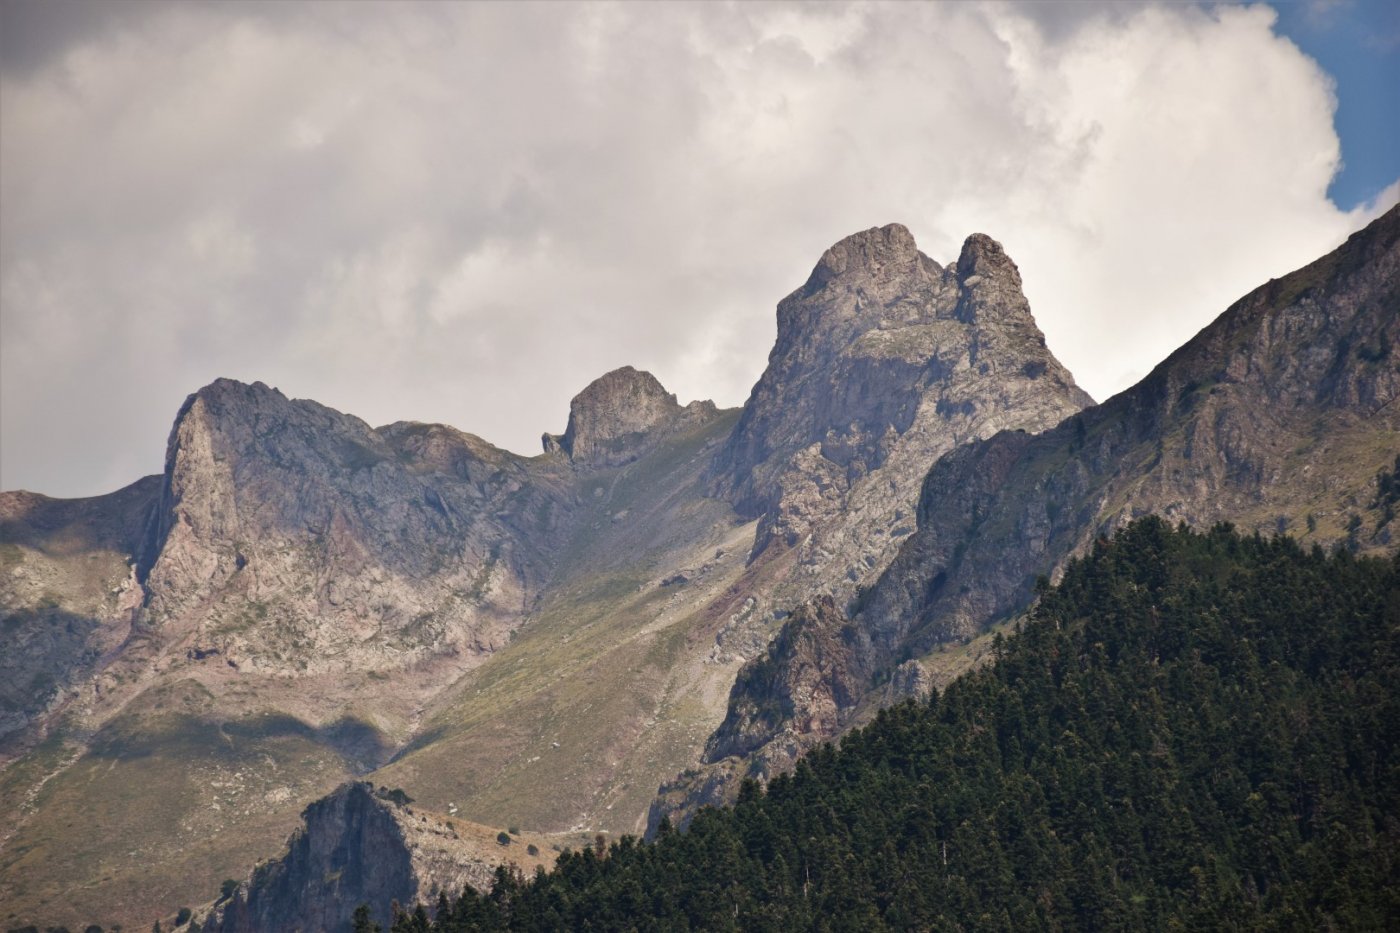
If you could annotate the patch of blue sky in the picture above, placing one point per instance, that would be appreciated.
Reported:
(1357, 42)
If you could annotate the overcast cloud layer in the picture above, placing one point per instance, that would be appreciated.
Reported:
(464, 213)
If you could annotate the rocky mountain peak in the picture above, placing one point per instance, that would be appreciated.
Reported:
(990, 287)
(260, 489)
(608, 415)
(853, 286)
(883, 348)
(221, 397)
(217, 408)
(224, 387)
(214, 426)
(228, 420)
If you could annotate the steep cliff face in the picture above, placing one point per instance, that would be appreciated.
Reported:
(884, 361)
(291, 537)
(1280, 416)
(352, 843)
(807, 398)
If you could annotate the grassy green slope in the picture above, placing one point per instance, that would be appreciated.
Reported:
(607, 689)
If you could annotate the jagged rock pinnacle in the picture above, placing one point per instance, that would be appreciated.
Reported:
(990, 286)
(984, 256)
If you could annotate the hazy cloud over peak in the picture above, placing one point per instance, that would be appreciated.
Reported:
(464, 213)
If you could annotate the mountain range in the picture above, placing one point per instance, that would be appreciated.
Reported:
(668, 596)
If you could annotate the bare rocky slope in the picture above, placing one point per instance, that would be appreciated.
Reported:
(64, 614)
(1280, 416)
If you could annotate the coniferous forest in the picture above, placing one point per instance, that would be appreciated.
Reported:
(1191, 730)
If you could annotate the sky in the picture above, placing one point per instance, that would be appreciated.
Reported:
(463, 213)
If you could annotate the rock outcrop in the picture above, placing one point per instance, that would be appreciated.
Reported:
(359, 845)
(618, 417)
(1279, 416)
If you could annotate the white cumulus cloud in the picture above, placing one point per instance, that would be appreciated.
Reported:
(465, 212)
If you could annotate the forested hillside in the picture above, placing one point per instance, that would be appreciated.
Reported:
(1192, 730)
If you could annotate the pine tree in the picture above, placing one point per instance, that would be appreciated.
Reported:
(361, 922)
